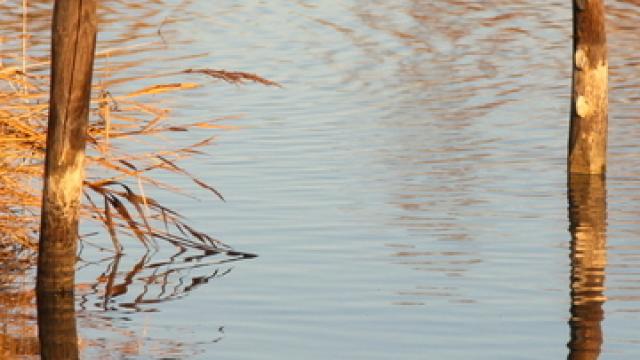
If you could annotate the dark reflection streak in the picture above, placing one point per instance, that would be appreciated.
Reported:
(165, 282)
(175, 289)
(174, 257)
(587, 217)
(57, 326)
(119, 289)
(161, 275)
(84, 298)
(112, 277)
(85, 263)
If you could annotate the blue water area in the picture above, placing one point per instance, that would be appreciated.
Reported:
(405, 188)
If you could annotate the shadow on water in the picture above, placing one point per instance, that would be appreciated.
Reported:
(588, 225)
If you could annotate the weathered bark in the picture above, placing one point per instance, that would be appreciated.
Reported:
(57, 326)
(589, 100)
(73, 47)
(587, 216)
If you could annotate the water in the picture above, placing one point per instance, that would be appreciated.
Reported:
(405, 190)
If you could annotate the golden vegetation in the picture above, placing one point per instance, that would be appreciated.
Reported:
(128, 149)
(122, 120)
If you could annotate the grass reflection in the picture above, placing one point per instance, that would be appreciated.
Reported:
(124, 286)
(18, 333)
(139, 286)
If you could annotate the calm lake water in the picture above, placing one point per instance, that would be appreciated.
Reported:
(405, 190)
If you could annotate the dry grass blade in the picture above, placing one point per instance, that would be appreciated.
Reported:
(194, 179)
(233, 77)
(111, 227)
(162, 88)
(124, 213)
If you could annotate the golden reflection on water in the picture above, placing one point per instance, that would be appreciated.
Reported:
(18, 330)
(588, 227)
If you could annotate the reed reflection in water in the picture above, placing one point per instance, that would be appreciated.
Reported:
(136, 287)
(129, 285)
(126, 285)
(588, 225)
(18, 330)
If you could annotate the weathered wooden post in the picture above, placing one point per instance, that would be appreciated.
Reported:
(588, 225)
(589, 100)
(73, 48)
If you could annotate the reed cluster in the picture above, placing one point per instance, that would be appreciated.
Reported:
(126, 126)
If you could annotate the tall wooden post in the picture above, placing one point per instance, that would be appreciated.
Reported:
(588, 219)
(589, 100)
(72, 52)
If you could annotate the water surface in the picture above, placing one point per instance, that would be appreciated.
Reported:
(405, 189)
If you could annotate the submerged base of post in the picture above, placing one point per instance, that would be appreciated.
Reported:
(57, 326)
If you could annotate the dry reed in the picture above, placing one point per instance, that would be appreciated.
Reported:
(116, 177)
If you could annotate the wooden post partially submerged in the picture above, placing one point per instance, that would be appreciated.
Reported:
(72, 53)
(589, 100)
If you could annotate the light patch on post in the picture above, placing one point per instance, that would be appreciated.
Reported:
(582, 107)
(581, 4)
(581, 59)
(67, 186)
(596, 88)
(592, 96)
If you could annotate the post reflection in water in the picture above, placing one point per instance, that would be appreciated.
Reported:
(588, 219)
(57, 326)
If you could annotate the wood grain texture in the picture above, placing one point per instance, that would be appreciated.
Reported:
(587, 153)
(73, 48)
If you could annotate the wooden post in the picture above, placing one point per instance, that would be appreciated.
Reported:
(588, 219)
(72, 52)
(73, 47)
(589, 100)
